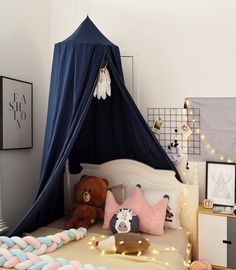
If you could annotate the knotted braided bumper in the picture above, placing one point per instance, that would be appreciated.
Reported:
(22, 253)
(20, 260)
(42, 245)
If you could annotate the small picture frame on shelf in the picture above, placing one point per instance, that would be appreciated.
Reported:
(220, 182)
(16, 114)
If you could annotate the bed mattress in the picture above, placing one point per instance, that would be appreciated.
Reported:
(157, 256)
(172, 238)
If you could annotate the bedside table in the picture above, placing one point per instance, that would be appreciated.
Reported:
(216, 238)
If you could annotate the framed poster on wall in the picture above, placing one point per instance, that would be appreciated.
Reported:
(220, 182)
(16, 114)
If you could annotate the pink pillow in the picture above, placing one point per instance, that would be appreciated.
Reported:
(151, 218)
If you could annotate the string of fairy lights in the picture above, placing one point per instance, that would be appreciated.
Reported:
(153, 250)
(212, 150)
(187, 213)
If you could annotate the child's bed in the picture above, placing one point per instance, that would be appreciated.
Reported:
(170, 251)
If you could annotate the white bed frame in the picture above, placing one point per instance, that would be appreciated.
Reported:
(133, 172)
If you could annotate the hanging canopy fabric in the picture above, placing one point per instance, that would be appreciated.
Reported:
(82, 128)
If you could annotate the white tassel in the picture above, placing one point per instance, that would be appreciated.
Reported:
(103, 87)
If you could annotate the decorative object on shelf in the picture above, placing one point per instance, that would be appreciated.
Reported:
(175, 118)
(103, 86)
(208, 203)
(222, 209)
(16, 110)
(220, 182)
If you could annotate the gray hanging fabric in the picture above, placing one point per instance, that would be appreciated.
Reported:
(217, 128)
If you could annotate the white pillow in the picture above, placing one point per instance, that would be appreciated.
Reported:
(154, 195)
(118, 192)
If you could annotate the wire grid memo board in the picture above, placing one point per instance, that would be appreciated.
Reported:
(172, 119)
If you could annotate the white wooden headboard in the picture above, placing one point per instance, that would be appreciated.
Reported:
(133, 172)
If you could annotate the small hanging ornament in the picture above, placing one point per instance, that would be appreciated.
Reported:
(185, 104)
(176, 156)
(103, 86)
(187, 166)
(157, 125)
(185, 130)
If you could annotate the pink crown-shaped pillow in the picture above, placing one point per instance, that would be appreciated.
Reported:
(151, 218)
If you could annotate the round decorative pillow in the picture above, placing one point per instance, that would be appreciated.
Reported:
(124, 220)
(198, 265)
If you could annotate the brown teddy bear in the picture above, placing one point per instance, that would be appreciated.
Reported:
(90, 196)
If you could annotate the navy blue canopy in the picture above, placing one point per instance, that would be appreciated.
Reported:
(82, 128)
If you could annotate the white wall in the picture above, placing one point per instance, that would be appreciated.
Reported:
(24, 54)
(186, 47)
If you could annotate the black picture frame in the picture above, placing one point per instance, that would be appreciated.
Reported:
(220, 182)
(16, 114)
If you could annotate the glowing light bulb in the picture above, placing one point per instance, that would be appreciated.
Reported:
(221, 158)
(202, 137)
(208, 145)
(229, 160)
(212, 151)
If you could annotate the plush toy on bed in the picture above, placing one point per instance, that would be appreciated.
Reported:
(124, 220)
(125, 243)
(90, 195)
